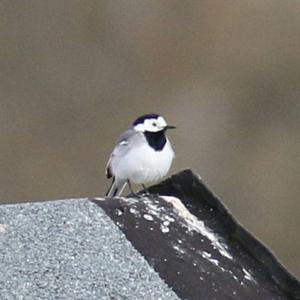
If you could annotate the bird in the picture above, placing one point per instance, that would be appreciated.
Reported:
(142, 154)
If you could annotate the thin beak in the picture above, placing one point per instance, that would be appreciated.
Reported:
(170, 127)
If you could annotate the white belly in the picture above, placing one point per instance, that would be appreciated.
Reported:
(144, 164)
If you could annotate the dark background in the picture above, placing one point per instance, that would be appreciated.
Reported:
(74, 74)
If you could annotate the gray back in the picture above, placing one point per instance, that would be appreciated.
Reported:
(128, 139)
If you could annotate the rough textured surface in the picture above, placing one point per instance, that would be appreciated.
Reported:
(70, 250)
(197, 247)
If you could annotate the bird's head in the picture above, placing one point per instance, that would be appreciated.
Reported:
(151, 123)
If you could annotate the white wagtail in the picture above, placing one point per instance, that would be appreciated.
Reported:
(142, 154)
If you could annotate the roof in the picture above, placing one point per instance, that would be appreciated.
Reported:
(70, 249)
(182, 244)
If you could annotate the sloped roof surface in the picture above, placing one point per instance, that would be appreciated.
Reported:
(182, 244)
(70, 250)
(197, 247)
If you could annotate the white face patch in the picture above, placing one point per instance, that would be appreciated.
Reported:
(151, 125)
(139, 127)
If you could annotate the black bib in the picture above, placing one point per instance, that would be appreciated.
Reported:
(156, 140)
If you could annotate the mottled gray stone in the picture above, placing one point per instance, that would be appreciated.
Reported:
(70, 249)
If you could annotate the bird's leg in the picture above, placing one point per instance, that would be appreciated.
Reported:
(150, 195)
(131, 190)
(146, 190)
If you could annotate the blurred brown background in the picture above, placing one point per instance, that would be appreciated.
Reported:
(74, 74)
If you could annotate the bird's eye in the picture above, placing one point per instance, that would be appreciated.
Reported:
(154, 124)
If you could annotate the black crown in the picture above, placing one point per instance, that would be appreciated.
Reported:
(142, 118)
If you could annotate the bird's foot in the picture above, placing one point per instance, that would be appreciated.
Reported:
(135, 195)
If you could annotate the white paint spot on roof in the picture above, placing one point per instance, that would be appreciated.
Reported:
(170, 219)
(119, 224)
(194, 224)
(166, 223)
(206, 254)
(148, 217)
(133, 210)
(164, 229)
(214, 261)
(248, 276)
(118, 212)
(179, 249)
(153, 210)
(128, 200)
